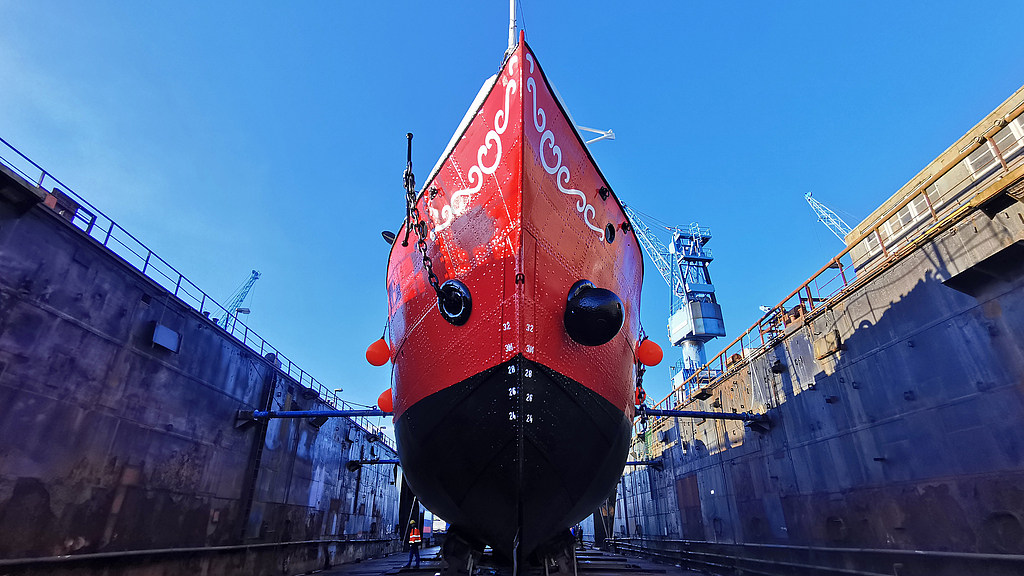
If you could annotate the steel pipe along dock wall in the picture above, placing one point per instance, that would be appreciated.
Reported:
(775, 560)
(251, 559)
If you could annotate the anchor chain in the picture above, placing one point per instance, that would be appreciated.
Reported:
(415, 221)
(641, 395)
(421, 245)
(454, 301)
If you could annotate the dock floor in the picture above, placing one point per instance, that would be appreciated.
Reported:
(591, 563)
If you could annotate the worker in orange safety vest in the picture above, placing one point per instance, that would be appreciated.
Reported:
(414, 544)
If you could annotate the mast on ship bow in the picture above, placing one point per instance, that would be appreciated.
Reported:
(511, 29)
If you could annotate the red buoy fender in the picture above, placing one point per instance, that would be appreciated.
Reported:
(649, 353)
(385, 402)
(378, 353)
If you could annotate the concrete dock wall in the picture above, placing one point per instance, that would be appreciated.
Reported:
(113, 441)
(908, 435)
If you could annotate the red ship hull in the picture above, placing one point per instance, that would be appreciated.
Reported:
(507, 427)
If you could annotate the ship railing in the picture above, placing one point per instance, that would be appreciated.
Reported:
(981, 170)
(102, 229)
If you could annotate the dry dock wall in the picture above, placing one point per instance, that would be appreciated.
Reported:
(910, 436)
(112, 444)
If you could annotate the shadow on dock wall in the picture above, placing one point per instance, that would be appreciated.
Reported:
(115, 443)
(910, 437)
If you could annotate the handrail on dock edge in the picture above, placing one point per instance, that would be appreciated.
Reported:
(813, 299)
(103, 230)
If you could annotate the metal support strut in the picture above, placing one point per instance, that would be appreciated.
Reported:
(756, 422)
(744, 416)
(658, 464)
(266, 414)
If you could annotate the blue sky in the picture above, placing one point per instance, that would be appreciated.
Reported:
(229, 136)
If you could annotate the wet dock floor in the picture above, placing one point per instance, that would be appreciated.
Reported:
(591, 563)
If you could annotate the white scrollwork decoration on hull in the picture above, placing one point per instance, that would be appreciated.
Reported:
(501, 117)
(557, 151)
(561, 172)
(459, 203)
(460, 200)
(582, 206)
(492, 136)
(539, 118)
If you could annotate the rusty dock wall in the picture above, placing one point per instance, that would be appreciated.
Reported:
(120, 451)
(896, 406)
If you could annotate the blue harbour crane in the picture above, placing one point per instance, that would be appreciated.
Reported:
(695, 317)
(829, 218)
(234, 307)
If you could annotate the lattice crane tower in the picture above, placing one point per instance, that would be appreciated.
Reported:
(237, 299)
(695, 317)
(829, 218)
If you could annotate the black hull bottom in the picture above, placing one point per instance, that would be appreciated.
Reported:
(517, 449)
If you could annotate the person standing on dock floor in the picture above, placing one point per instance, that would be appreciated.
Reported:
(414, 544)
